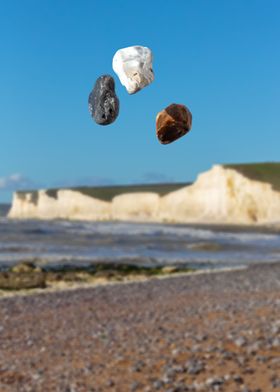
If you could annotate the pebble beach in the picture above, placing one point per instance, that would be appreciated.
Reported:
(215, 331)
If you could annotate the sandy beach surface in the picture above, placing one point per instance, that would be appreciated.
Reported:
(205, 332)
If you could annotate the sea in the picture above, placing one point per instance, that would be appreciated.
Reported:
(78, 244)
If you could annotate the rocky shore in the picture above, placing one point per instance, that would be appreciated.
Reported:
(207, 332)
(38, 275)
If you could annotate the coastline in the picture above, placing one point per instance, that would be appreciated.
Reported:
(64, 285)
(197, 333)
(237, 194)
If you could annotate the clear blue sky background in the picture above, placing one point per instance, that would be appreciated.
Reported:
(220, 58)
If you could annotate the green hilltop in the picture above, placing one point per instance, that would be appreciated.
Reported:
(107, 193)
(268, 172)
(265, 172)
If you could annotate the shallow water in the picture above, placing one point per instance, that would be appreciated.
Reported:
(65, 242)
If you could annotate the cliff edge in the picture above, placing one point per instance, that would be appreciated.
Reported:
(233, 194)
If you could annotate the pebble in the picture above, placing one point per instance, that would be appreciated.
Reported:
(227, 355)
(103, 102)
(240, 342)
(261, 358)
(169, 374)
(275, 382)
(138, 366)
(110, 383)
(172, 123)
(254, 348)
(238, 379)
(245, 389)
(135, 386)
(248, 371)
(201, 337)
(133, 65)
(214, 381)
(158, 384)
(195, 367)
(241, 360)
(276, 342)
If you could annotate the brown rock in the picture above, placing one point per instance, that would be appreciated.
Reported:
(173, 122)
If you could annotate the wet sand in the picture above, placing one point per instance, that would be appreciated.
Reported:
(206, 332)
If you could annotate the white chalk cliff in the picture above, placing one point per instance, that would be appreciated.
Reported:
(220, 195)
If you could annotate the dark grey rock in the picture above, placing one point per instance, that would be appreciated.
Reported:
(103, 102)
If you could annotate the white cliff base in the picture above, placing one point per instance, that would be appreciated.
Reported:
(67, 204)
(221, 195)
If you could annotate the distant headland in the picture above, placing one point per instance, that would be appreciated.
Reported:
(227, 194)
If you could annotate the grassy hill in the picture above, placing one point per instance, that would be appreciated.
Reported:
(264, 172)
(107, 193)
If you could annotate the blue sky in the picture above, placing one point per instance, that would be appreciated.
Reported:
(220, 58)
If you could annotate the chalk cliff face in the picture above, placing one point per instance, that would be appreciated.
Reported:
(67, 204)
(221, 195)
(136, 206)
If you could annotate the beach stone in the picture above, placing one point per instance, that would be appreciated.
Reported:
(240, 341)
(103, 102)
(172, 123)
(133, 65)
(195, 367)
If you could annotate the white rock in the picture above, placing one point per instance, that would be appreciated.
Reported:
(133, 65)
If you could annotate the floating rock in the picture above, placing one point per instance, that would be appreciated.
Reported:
(172, 123)
(102, 102)
(133, 65)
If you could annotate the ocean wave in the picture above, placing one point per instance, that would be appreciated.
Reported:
(157, 230)
(77, 242)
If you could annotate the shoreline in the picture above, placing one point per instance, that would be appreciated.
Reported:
(72, 286)
(201, 332)
(270, 227)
